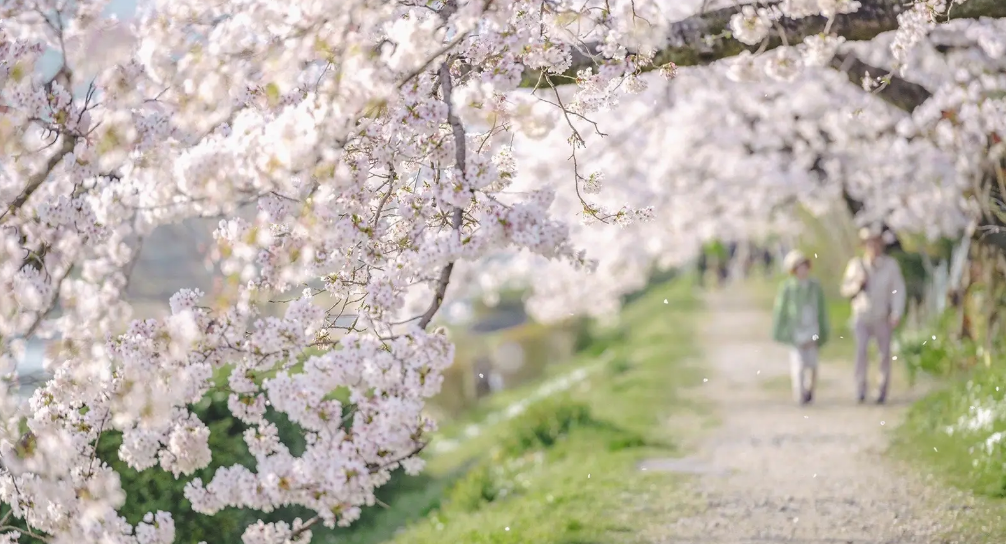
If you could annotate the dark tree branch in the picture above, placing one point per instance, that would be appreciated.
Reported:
(705, 38)
(900, 93)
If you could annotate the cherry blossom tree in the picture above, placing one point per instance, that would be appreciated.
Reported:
(384, 148)
(782, 139)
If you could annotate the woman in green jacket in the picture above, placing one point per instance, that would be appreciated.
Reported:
(800, 320)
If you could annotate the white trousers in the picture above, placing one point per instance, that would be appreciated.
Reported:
(803, 368)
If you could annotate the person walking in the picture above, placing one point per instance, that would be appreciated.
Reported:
(875, 287)
(800, 320)
(768, 261)
(702, 266)
(716, 255)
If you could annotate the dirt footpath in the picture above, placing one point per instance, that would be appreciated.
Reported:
(777, 472)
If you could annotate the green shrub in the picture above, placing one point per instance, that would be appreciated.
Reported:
(933, 351)
(526, 443)
(520, 448)
(479, 486)
(584, 330)
(491, 481)
(542, 425)
(618, 366)
(155, 489)
(921, 353)
(914, 272)
(594, 341)
(522, 441)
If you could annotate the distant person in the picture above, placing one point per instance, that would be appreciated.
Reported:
(876, 288)
(769, 262)
(731, 260)
(740, 260)
(703, 267)
(717, 252)
(800, 320)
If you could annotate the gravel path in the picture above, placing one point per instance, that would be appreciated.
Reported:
(775, 472)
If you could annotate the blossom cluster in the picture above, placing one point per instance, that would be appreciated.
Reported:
(754, 25)
(355, 161)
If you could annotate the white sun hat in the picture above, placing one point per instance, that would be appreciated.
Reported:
(794, 259)
(870, 232)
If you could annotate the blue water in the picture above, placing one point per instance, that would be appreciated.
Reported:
(32, 360)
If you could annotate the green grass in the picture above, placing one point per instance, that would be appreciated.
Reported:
(924, 439)
(564, 471)
(962, 459)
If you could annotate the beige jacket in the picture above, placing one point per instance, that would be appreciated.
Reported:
(884, 295)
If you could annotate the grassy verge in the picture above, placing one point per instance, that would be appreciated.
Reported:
(956, 435)
(563, 470)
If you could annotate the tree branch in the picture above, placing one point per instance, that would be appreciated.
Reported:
(460, 154)
(35, 181)
(900, 93)
(705, 38)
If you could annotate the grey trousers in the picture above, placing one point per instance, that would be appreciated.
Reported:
(881, 332)
(803, 369)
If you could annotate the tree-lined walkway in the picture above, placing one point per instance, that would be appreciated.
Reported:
(776, 472)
